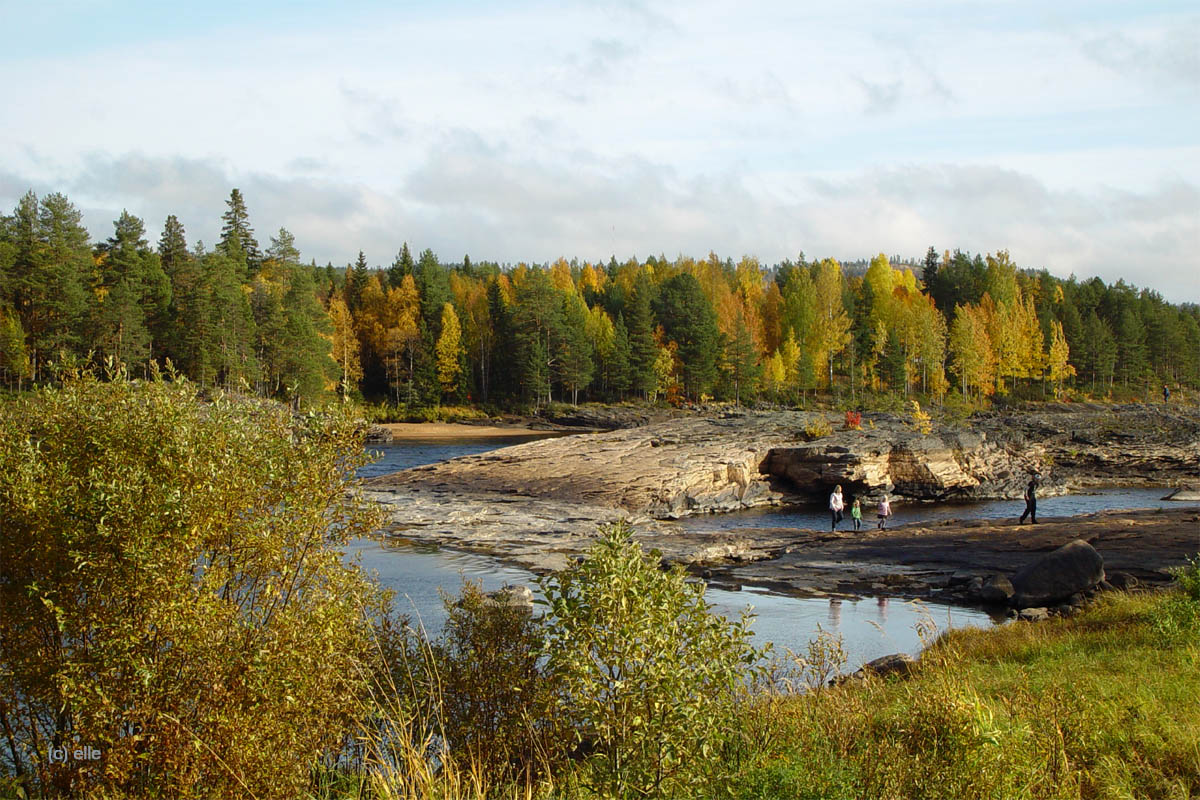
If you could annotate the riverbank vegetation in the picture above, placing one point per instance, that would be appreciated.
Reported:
(422, 333)
(176, 620)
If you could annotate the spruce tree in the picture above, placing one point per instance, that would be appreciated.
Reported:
(575, 347)
(930, 271)
(356, 282)
(433, 283)
(501, 372)
(643, 349)
(538, 323)
(232, 346)
(172, 247)
(617, 367)
(401, 266)
(688, 320)
(237, 237)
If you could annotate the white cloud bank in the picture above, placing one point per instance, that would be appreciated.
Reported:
(524, 132)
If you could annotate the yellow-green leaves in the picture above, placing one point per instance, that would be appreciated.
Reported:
(168, 593)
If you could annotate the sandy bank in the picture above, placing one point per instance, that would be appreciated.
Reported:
(417, 431)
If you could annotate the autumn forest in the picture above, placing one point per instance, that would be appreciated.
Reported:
(420, 332)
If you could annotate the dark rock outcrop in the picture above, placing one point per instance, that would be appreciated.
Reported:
(894, 664)
(378, 434)
(1075, 567)
(997, 589)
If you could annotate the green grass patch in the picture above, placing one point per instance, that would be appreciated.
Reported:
(1103, 705)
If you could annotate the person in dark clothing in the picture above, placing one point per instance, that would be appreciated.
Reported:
(1166, 394)
(1030, 502)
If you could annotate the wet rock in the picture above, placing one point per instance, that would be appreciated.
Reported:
(511, 597)
(1074, 567)
(378, 434)
(1122, 581)
(996, 589)
(894, 664)
(1033, 614)
(1187, 494)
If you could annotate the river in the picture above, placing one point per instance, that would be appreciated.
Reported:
(870, 627)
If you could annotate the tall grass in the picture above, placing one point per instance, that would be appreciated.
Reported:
(1095, 706)
(1100, 705)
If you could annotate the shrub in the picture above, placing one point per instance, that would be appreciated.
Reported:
(853, 421)
(168, 592)
(1177, 618)
(645, 674)
(816, 428)
(474, 696)
(921, 421)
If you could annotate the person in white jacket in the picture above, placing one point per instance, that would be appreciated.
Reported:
(836, 504)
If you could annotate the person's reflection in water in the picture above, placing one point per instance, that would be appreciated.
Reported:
(882, 602)
(835, 612)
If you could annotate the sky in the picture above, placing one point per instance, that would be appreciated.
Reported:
(1066, 133)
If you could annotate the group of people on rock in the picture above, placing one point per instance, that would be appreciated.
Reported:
(837, 505)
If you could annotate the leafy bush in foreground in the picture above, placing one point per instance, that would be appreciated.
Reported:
(168, 595)
(645, 674)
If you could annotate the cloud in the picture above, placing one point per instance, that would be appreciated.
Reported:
(373, 118)
(1171, 55)
(1148, 238)
(882, 98)
(470, 194)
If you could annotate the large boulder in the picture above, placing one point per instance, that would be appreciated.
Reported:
(379, 434)
(1074, 567)
(996, 589)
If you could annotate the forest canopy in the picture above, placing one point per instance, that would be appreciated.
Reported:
(420, 332)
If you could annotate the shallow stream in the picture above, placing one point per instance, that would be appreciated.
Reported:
(870, 627)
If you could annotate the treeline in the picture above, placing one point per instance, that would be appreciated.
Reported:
(421, 332)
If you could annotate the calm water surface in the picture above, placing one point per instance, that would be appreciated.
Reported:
(870, 627)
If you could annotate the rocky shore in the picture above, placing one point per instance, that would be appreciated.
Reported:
(538, 504)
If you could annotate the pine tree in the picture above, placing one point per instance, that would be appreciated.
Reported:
(130, 273)
(1131, 346)
(51, 268)
(283, 249)
(307, 364)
